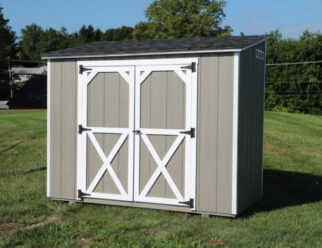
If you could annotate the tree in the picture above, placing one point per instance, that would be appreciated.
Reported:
(89, 34)
(294, 87)
(35, 41)
(30, 37)
(115, 34)
(7, 42)
(182, 18)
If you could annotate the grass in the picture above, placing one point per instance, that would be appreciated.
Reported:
(290, 215)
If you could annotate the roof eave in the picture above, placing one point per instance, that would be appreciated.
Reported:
(139, 54)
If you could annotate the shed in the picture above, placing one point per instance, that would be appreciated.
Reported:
(164, 124)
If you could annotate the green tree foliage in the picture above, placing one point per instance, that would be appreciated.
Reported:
(35, 41)
(89, 34)
(294, 88)
(7, 49)
(182, 18)
(115, 34)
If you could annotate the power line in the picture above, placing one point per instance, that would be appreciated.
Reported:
(296, 63)
(315, 82)
(293, 95)
(299, 92)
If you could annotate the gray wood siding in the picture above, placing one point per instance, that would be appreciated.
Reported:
(214, 130)
(250, 128)
(108, 106)
(162, 106)
(214, 144)
(63, 109)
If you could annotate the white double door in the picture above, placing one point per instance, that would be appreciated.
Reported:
(137, 131)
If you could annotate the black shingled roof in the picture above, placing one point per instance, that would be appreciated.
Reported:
(146, 47)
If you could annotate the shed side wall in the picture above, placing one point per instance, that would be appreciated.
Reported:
(250, 127)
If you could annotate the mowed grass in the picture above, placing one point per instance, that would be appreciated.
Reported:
(290, 215)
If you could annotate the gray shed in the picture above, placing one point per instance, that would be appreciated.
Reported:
(165, 124)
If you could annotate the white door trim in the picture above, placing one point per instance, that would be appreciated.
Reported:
(138, 62)
(127, 72)
(146, 66)
(190, 80)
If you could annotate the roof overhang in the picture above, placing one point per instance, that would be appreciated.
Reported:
(154, 53)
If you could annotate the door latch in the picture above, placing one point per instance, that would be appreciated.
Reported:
(189, 203)
(191, 67)
(191, 132)
(138, 132)
(82, 69)
(82, 129)
(81, 194)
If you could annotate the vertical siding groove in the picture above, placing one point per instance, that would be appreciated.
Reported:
(217, 106)
(61, 131)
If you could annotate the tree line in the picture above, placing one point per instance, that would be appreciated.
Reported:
(291, 87)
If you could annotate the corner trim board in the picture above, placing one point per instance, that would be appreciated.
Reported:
(262, 157)
(48, 126)
(234, 207)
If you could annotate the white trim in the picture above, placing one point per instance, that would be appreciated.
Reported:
(160, 200)
(137, 109)
(80, 183)
(106, 196)
(145, 54)
(234, 201)
(139, 62)
(193, 142)
(115, 130)
(127, 72)
(48, 126)
(162, 166)
(107, 163)
(155, 131)
(134, 79)
(189, 78)
(255, 44)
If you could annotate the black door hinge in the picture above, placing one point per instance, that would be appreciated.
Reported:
(81, 194)
(191, 67)
(189, 203)
(82, 69)
(191, 132)
(82, 129)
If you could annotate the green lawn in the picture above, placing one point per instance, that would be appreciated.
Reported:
(290, 215)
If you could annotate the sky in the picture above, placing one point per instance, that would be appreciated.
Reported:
(251, 17)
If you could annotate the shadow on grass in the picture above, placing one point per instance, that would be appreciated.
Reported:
(37, 169)
(11, 147)
(284, 189)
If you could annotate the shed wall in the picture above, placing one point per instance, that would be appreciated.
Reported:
(250, 128)
(214, 140)
(63, 109)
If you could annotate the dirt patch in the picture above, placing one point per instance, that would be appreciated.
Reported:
(11, 227)
(82, 242)
(215, 242)
(51, 218)
(270, 149)
(8, 228)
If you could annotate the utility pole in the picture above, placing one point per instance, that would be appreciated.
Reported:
(10, 78)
